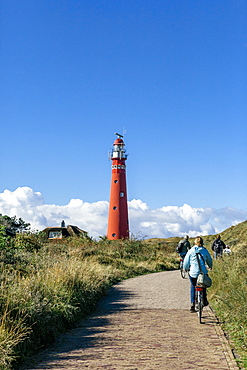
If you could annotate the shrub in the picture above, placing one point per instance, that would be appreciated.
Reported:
(30, 241)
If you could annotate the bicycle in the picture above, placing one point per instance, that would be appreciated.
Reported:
(199, 301)
(181, 267)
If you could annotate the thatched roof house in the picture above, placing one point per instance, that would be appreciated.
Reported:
(63, 231)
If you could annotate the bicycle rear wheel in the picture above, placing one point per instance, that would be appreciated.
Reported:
(182, 271)
(199, 295)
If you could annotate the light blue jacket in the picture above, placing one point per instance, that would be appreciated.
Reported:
(190, 261)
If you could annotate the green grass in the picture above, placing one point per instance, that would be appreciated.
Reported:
(229, 299)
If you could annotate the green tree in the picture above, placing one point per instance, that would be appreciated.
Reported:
(13, 225)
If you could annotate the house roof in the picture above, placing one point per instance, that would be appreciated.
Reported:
(69, 230)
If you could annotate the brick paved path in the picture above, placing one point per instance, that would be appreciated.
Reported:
(143, 324)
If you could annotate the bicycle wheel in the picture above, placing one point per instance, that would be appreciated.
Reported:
(199, 295)
(182, 271)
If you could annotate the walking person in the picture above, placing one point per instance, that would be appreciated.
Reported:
(218, 246)
(191, 264)
(183, 246)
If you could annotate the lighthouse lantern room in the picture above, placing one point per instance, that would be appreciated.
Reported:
(118, 223)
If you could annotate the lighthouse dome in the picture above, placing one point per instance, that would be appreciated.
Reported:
(118, 141)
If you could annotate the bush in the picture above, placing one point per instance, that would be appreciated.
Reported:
(29, 241)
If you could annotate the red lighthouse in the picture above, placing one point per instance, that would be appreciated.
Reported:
(118, 223)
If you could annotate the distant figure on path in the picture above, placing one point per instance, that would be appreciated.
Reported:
(218, 246)
(190, 262)
(183, 246)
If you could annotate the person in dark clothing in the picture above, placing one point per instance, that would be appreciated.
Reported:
(183, 246)
(218, 246)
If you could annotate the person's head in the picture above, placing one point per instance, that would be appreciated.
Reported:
(218, 237)
(186, 237)
(199, 241)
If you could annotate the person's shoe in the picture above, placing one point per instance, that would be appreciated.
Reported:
(192, 307)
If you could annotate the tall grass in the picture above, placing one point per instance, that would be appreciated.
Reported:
(229, 299)
(45, 290)
(12, 332)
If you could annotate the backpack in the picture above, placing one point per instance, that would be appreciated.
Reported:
(179, 247)
(218, 246)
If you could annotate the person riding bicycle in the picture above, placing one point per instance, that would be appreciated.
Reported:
(191, 263)
(183, 246)
(218, 246)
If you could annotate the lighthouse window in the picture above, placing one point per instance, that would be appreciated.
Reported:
(113, 234)
(121, 194)
(116, 181)
(114, 208)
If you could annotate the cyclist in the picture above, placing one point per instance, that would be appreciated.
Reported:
(183, 246)
(191, 263)
(218, 246)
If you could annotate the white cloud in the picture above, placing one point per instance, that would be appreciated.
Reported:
(163, 222)
(178, 221)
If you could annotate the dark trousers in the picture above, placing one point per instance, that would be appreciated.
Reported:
(193, 290)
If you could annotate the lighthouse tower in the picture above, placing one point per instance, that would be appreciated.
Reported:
(118, 223)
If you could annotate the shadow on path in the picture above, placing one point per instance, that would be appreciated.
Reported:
(89, 333)
(143, 323)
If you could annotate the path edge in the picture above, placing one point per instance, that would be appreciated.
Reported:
(230, 358)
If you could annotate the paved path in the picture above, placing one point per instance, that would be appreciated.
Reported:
(144, 323)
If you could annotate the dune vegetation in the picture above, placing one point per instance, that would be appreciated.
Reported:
(228, 294)
(46, 287)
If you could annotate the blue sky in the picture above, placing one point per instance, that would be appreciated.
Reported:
(172, 74)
